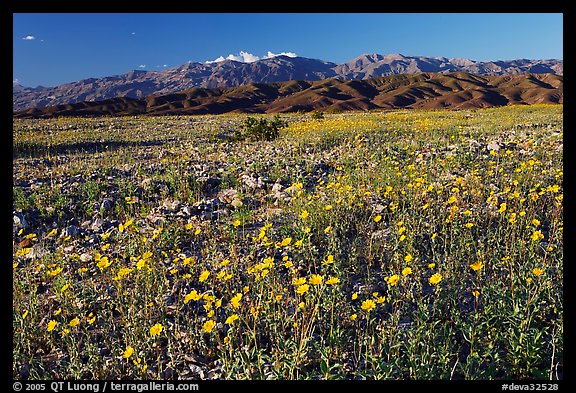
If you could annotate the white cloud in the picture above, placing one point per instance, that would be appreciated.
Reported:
(15, 81)
(246, 57)
(165, 65)
(133, 33)
(217, 60)
(142, 66)
(271, 55)
(29, 38)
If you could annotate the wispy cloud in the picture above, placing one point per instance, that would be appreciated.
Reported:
(142, 66)
(289, 54)
(246, 57)
(29, 38)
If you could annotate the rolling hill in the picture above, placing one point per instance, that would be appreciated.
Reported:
(228, 73)
(456, 90)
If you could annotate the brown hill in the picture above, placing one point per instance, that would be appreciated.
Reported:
(425, 90)
(229, 73)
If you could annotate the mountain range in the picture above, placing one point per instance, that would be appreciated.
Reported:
(137, 84)
(425, 90)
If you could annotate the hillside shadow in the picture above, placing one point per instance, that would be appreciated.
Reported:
(33, 149)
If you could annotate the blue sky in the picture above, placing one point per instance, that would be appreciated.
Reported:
(50, 49)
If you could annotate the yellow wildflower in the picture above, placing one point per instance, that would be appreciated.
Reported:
(156, 330)
(51, 325)
(393, 280)
(537, 235)
(435, 279)
(477, 265)
(235, 301)
(230, 320)
(302, 289)
(204, 276)
(74, 322)
(316, 279)
(537, 271)
(128, 352)
(209, 325)
(368, 305)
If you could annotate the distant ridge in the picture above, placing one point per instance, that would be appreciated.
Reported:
(425, 90)
(228, 73)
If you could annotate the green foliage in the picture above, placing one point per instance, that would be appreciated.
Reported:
(317, 115)
(261, 129)
(346, 204)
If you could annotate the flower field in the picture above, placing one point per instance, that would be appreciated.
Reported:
(402, 244)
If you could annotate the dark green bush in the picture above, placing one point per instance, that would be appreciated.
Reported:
(317, 115)
(261, 129)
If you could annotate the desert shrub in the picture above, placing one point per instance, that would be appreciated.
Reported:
(317, 115)
(261, 129)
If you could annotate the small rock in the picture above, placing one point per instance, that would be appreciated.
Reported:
(197, 371)
(169, 300)
(366, 288)
(97, 224)
(106, 204)
(383, 234)
(19, 220)
(222, 212)
(236, 202)
(214, 373)
(378, 208)
(25, 243)
(156, 218)
(494, 146)
(187, 210)
(277, 187)
(147, 184)
(252, 182)
(36, 252)
(171, 206)
(281, 196)
(85, 257)
(71, 230)
(227, 195)
(474, 145)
